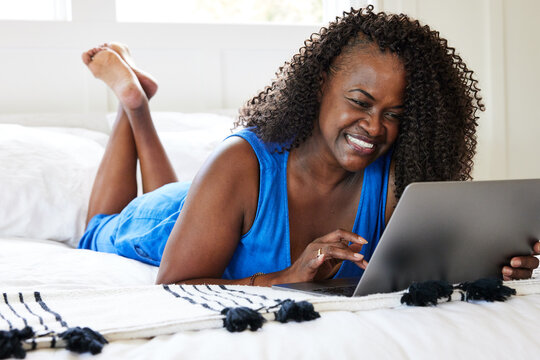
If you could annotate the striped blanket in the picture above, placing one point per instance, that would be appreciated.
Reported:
(148, 311)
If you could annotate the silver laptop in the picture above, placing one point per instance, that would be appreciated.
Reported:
(453, 231)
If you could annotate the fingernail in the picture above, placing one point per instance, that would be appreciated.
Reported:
(362, 240)
(358, 256)
(515, 263)
(507, 271)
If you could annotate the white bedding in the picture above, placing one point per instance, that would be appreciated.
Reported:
(456, 329)
(33, 261)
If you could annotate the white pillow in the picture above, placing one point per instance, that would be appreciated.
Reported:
(45, 182)
(46, 174)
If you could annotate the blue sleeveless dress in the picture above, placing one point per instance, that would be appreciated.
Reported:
(141, 230)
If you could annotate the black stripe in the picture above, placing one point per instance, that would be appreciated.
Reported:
(3, 317)
(216, 301)
(9, 322)
(202, 297)
(13, 310)
(21, 299)
(44, 306)
(205, 305)
(230, 292)
(168, 289)
(261, 304)
(223, 295)
(250, 294)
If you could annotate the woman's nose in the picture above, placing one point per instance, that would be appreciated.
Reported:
(373, 124)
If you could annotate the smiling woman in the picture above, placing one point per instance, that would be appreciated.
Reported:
(370, 104)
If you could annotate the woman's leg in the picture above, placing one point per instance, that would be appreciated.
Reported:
(156, 168)
(115, 184)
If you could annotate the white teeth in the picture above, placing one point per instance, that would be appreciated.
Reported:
(360, 142)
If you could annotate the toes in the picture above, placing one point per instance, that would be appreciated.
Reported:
(86, 58)
(95, 50)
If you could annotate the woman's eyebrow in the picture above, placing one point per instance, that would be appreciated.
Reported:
(372, 98)
(363, 92)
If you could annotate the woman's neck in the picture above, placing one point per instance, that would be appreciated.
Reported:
(313, 164)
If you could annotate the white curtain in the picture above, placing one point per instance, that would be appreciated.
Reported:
(333, 8)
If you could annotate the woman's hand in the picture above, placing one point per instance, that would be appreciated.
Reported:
(521, 267)
(321, 255)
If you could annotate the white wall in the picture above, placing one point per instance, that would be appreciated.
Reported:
(198, 66)
(204, 67)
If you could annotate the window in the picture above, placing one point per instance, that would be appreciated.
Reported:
(59, 10)
(223, 11)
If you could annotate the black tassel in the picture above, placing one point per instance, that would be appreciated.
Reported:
(427, 293)
(297, 311)
(11, 342)
(239, 318)
(491, 289)
(82, 340)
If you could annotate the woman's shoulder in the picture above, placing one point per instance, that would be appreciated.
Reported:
(234, 156)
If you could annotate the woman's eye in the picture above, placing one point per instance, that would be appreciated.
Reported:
(393, 116)
(360, 103)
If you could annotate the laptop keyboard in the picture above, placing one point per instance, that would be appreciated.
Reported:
(339, 291)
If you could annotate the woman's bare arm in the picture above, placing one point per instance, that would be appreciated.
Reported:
(219, 208)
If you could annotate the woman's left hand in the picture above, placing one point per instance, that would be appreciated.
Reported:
(521, 267)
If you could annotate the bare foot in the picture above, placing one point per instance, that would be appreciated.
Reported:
(148, 82)
(106, 65)
(88, 55)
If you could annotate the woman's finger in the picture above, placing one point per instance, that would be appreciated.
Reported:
(340, 235)
(362, 264)
(536, 248)
(316, 261)
(527, 262)
(336, 252)
(355, 247)
(516, 273)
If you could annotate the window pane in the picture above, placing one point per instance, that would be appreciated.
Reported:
(35, 10)
(237, 11)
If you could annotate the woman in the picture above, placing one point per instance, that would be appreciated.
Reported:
(368, 105)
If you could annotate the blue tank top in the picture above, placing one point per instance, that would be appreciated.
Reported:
(141, 230)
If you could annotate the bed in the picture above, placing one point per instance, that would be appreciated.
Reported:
(47, 165)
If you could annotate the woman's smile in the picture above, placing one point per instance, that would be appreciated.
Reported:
(360, 144)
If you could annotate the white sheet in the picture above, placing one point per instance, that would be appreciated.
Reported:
(450, 330)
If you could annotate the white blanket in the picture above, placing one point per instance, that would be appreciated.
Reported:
(116, 297)
(141, 312)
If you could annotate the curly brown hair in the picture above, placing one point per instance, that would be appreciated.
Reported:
(437, 133)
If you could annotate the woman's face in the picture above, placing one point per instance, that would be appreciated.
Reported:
(361, 103)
